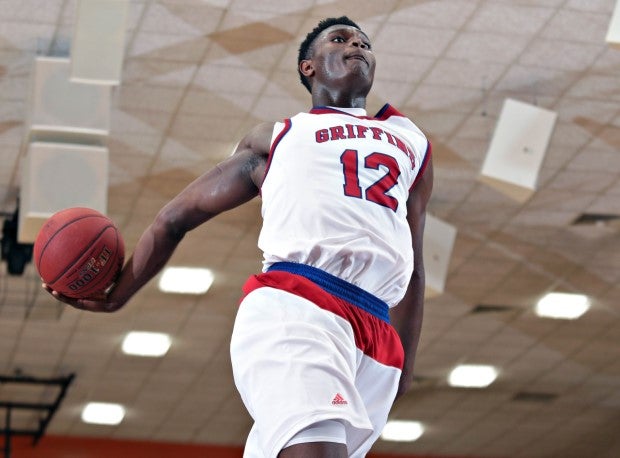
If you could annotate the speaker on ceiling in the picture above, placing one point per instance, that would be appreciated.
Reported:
(613, 32)
(439, 238)
(55, 176)
(98, 42)
(517, 149)
(66, 111)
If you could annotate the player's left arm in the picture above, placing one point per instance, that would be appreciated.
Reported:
(406, 317)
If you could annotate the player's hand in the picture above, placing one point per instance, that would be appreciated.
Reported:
(98, 303)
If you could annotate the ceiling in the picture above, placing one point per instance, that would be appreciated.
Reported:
(197, 74)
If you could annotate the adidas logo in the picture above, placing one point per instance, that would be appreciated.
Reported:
(339, 400)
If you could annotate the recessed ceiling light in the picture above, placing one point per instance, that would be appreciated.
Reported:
(472, 376)
(185, 280)
(142, 343)
(103, 413)
(562, 305)
(402, 431)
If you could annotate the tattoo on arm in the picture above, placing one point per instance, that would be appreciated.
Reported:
(252, 162)
(254, 169)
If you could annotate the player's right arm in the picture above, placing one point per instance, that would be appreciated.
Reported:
(228, 185)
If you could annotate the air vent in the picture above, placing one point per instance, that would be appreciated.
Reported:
(532, 396)
(488, 308)
(596, 218)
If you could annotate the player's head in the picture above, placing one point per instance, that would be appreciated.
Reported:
(341, 30)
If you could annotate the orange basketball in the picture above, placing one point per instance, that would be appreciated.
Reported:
(79, 252)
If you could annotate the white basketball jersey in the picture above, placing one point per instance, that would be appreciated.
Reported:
(335, 194)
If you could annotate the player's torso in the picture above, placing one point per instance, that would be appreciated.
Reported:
(335, 195)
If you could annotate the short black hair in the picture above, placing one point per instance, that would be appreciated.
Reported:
(306, 45)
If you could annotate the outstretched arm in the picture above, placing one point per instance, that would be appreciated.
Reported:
(230, 184)
(406, 317)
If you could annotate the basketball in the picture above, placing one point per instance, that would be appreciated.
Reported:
(79, 252)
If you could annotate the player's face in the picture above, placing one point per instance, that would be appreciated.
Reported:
(342, 55)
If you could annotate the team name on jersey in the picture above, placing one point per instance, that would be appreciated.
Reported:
(360, 131)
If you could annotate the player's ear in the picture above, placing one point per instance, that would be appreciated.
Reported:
(306, 67)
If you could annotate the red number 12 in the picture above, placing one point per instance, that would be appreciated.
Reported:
(376, 192)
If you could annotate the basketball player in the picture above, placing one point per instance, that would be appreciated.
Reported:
(315, 358)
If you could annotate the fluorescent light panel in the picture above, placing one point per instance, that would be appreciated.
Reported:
(562, 306)
(402, 431)
(472, 376)
(103, 413)
(146, 343)
(186, 280)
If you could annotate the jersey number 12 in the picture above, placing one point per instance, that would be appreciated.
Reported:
(376, 192)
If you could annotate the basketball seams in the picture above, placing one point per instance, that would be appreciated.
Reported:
(76, 254)
(84, 250)
(60, 229)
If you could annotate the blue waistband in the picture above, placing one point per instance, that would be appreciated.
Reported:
(338, 287)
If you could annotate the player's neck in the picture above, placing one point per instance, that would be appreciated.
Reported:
(338, 99)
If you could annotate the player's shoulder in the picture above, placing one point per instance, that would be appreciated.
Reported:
(258, 139)
(391, 113)
(392, 116)
(261, 131)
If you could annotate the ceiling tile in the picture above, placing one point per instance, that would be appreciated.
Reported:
(487, 47)
(560, 55)
(421, 41)
(577, 26)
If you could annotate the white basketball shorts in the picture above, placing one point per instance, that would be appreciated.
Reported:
(302, 354)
